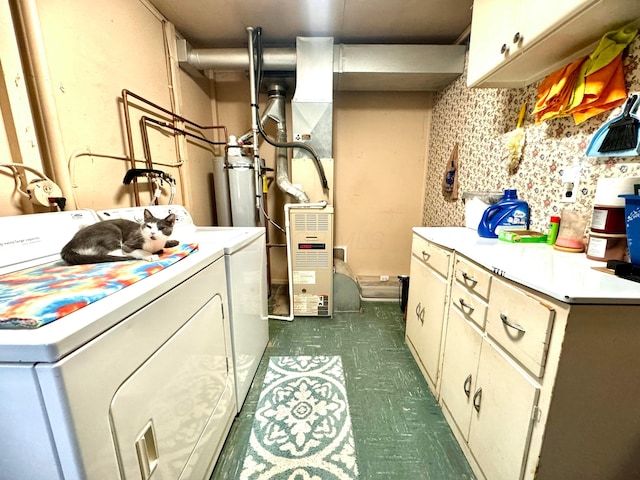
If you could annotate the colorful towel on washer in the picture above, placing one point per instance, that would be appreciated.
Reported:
(39, 295)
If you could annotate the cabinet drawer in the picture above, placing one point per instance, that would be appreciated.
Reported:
(475, 278)
(437, 258)
(471, 306)
(521, 324)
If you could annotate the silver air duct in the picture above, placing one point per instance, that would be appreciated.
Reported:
(312, 104)
(276, 111)
(355, 67)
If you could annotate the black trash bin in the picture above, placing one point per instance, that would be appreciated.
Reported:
(404, 292)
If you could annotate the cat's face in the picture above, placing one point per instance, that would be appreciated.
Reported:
(157, 228)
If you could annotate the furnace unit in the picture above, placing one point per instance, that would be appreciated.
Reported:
(312, 261)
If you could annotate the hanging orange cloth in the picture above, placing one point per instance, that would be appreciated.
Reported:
(589, 85)
(600, 85)
(603, 90)
(555, 91)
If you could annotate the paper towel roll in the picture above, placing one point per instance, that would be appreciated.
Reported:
(608, 189)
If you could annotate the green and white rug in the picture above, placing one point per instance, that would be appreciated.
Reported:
(302, 426)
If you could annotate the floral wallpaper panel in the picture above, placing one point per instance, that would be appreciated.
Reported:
(480, 121)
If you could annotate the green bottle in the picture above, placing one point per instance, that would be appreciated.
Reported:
(554, 224)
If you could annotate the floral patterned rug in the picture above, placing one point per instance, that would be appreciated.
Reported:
(302, 426)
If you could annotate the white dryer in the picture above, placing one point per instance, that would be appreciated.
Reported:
(246, 274)
(138, 384)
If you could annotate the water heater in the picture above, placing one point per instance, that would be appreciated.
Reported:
(311, 233)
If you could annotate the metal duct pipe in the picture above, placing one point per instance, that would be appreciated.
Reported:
(274, 59)
(355, 67)
(276, 111)
(254, 116)
(282, 171)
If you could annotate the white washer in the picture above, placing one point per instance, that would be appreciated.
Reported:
(136, 384)
(246, 269)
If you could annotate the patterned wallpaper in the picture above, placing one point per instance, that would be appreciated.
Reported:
(480, 120)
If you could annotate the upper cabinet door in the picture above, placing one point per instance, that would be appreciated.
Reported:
(537, 18)
(493, 23)
(515, 43)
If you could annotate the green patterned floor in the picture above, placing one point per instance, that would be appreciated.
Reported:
(399, 430)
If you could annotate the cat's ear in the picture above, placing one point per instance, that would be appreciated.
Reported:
(171, 219)
(147, 215)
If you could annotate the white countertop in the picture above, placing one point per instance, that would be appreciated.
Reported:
(568, 277)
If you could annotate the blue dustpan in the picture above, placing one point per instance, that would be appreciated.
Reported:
(601, 133)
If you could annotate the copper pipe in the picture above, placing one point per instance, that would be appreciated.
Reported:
(132, 157)
(265, 220)
(175, 116)
(171, 126)
(145, 136)
(127, 119)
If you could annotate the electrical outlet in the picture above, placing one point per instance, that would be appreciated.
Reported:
(384, 278)
(570, 181)
(340, 252)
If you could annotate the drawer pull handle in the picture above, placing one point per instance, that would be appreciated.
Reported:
(425, 255)
(477, 397)
(467, 386)
(469, 278)
(504, 49)
(463, 304)
(517, 37)
(515, 326)
(420, 312)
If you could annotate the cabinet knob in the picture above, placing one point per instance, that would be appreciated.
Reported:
(467, 386)
(477, 397)
(515, 326)
(425, 255)
(504, 49)
(517, 37)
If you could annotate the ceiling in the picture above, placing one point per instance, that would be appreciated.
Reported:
(222, 23)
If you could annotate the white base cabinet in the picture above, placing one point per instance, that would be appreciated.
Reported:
(532, 387)
(489, 397)
(503, 410)
(426, 307)
(461, 355)
(491, 401)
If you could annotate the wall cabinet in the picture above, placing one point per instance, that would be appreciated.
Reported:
(532, 387)
(426, 306)
(515, 43)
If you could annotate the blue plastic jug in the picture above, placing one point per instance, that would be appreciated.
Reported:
(508, 213)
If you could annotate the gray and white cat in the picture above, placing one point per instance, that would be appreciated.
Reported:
(119, 239)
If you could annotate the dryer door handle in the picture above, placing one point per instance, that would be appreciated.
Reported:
(147, 450)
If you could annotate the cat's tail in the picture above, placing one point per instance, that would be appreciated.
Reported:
(75, 258)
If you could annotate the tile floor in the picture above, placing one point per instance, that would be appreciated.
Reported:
(399, 430)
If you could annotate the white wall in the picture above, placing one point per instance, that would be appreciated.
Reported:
(94, 51)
